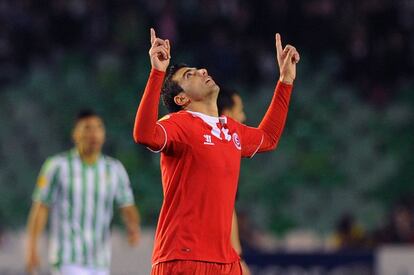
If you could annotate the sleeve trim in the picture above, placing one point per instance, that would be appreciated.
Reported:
(126, 204)
(165, 141)
(258, 147)
(41, 201)
(158, 72)
(289, 86)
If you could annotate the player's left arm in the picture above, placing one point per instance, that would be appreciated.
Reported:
(125, 200)
(273, 122)
(235, 242)
(131, 219)
(35, 226)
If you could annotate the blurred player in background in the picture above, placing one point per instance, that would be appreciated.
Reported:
(230, 104)
(79, 187)
(200, 159)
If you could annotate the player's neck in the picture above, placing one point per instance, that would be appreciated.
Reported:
(204, 108)
(88, 157)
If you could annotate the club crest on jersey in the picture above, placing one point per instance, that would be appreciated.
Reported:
(236, 141)
(42, 181)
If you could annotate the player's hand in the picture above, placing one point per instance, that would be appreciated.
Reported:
(287, 58)
(32, 261)
(245, 268)
(159, 52)
(134, 235)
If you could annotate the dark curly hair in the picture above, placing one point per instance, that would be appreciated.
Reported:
(170, 89)
(85, 113)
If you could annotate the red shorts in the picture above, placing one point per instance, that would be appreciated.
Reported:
(181, 267)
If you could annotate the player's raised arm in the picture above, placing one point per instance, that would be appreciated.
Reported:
(145, 128)
(287, 58)
(274, 120)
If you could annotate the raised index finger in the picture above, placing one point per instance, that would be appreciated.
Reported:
(279, 48)
(153, 37)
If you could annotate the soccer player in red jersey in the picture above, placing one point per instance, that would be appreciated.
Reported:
(200, 159)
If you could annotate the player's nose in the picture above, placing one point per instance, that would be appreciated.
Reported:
(203, 72)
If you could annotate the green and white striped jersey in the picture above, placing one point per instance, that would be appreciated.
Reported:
(80, 198)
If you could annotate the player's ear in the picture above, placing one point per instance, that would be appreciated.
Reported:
(182, 99)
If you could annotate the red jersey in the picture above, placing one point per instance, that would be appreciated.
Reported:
(200, 163)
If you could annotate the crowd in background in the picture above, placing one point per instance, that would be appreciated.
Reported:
(348, 234)
(371, 41)
(397, 229)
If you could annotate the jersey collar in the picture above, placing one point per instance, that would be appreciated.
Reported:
(75, 153)
(211, 120)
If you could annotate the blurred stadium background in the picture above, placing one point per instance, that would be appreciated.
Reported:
(342, 178)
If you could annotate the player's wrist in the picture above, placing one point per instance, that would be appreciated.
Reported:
(286, 80)
(157, 72)
(155, 68)
(133, 229)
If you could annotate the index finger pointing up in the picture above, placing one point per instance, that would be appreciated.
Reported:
(153, 37)
(279, 48)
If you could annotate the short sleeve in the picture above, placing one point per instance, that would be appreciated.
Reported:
(123, 195)
(251, 140)
(47, 182)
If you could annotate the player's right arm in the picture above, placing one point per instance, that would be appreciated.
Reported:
(146, 130)
(266, 137)
(35, 226)
(235, 242)
(43, 196)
